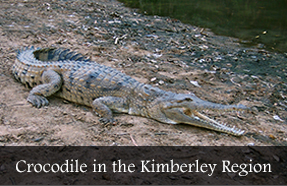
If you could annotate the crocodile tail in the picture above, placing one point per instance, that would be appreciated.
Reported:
(54, 54)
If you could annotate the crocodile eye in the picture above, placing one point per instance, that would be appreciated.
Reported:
(185, 99)
(187, 111)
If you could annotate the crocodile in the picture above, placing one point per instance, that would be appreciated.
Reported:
(74, 77)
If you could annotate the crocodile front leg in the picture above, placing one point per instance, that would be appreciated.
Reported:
(52, 83)
(105, 105)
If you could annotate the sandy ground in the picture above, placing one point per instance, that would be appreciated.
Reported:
(154, 50)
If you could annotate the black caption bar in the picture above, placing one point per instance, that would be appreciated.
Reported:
(143, 165)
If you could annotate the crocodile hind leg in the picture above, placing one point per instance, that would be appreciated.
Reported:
(52, 82)
(105, 105)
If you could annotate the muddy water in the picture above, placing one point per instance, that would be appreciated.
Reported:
(261, 24)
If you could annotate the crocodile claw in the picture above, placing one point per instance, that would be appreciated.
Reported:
(37, 101)
(107, 120)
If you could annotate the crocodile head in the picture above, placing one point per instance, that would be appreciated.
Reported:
(186, 108)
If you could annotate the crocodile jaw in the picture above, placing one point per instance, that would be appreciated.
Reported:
(215, 125)
(185, 109)
(193, 117)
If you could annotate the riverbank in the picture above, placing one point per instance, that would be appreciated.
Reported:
(156, 50)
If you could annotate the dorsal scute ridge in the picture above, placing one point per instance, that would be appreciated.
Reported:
(58, 54)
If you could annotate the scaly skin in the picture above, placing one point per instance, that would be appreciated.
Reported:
(73, 77)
